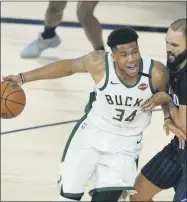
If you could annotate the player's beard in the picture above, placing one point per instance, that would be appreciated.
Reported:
(177, 61)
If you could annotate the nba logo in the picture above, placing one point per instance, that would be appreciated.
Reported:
(175, 100)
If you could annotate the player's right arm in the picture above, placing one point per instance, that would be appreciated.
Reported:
(93, 63)
(160, 78)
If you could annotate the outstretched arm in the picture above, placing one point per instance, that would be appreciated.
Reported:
(92, 63)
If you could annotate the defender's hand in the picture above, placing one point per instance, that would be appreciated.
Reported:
(169, 126)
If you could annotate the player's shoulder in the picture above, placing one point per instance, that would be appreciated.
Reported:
(96, 62)
(97, 55)
(158, 64)
(159, 69)
(160, 76)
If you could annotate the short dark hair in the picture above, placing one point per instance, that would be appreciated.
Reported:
(122, 35)
(180, 26)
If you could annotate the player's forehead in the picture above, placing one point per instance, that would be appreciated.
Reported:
(128, 47)
(175, 37)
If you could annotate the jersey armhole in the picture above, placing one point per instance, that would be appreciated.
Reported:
(103, 83)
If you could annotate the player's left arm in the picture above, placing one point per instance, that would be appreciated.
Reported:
(160, 79)
(160, 82)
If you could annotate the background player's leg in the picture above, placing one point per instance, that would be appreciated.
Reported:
(53, 17)
(48, 38)
(92, 27)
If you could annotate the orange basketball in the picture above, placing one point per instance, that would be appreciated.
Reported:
(13, 99)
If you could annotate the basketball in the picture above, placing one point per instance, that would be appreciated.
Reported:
(13, 100)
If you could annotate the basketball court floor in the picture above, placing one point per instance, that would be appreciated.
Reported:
(32, 143)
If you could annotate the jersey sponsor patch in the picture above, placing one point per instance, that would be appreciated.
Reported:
(143, 86)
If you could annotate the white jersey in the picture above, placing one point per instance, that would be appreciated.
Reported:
(106, 142)
(116, 109)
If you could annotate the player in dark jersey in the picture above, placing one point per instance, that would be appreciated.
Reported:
(167, 168)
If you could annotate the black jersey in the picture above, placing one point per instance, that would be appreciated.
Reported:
(178, 92)
(178, 86)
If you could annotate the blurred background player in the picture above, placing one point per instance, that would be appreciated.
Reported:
(49, 39)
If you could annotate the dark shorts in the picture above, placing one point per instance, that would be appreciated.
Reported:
(181, 192)
(165, 169)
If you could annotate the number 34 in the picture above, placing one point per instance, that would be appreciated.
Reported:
(121, 113)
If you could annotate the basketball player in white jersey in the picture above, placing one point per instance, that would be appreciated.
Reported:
(50, 39)
(107, 140)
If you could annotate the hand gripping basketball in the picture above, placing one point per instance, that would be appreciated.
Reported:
(14, 78)
(12, 98)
